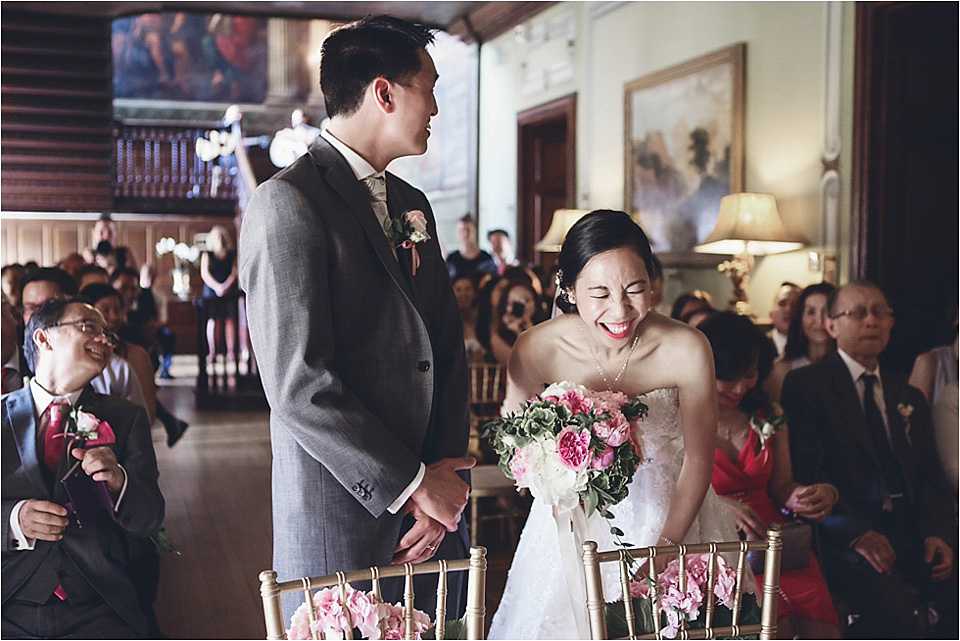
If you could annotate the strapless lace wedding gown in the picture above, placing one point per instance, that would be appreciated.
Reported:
(536, 604)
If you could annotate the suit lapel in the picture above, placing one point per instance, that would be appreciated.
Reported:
(23, 421)
(339, 176)
(903, 450)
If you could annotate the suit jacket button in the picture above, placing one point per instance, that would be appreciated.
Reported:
(423, 366)
(356, 488)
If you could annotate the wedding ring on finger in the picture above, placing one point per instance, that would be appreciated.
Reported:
(432, 548)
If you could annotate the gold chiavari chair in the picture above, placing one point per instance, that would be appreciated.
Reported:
(493, 497)
(475, 566)
(767, 628)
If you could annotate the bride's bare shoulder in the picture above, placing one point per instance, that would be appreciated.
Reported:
(676, 335)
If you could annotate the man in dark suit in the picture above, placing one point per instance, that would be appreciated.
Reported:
(356, 331)
(61, 579)
(868, 433)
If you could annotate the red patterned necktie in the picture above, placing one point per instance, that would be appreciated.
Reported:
(56, 413)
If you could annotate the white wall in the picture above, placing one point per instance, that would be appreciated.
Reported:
(616, 42)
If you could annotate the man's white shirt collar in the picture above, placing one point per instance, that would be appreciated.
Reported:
(42, 398)
(360, 167)
(856, 369)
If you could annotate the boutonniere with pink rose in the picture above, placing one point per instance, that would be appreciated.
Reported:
(86, 426)
(406, 232)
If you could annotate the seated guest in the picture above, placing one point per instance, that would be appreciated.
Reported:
(807, 338)
(862, 429)
(42, 284)
(697, 316)
(72, 264)
(945, 427)
(12, 378)
(61, 580)
(91, 274)
(752, 473)
(468, 259)
(10, 277)
(466, 293)
(932, 370)
(107, 301)
(783, 305)
(689, 302)
(519, 308)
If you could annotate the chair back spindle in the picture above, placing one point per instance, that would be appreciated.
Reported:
(476, 567)
(767, 628)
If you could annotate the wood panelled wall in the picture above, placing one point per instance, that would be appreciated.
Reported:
(48, 239)
(56, 113)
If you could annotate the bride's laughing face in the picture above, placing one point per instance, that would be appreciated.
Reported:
(612, 295)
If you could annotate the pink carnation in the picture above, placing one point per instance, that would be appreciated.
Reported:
(614, 431)
(573, 446)
(576, 402)
(601, 460)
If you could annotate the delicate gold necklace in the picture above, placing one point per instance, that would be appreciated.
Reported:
(602, 372)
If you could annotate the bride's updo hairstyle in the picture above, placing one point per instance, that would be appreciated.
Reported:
(595, 233)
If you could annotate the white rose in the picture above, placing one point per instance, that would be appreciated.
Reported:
(561, 388)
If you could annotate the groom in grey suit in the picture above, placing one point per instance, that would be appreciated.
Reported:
(358, 338)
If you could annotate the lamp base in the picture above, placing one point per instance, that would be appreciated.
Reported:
(739, 268)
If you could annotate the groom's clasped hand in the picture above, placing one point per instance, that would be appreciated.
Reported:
(436, 506)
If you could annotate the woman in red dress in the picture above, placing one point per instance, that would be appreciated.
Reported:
(752, 471)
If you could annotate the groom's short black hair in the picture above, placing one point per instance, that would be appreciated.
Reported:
(355, 54)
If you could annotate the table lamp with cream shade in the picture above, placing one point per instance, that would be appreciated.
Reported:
(748, 225)
(563, 220)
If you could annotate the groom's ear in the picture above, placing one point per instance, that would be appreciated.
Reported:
(381, 91)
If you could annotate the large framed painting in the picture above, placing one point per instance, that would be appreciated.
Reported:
(684, 148)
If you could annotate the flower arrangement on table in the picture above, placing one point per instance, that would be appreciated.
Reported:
(359, 613)
(571, 444)
(183, 257)
(406, 232)
(677, 606)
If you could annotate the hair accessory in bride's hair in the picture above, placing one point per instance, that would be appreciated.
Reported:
(559, 278)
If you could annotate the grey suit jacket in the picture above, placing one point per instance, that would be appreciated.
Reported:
(363, 365)
(830, 442)
(97, 549)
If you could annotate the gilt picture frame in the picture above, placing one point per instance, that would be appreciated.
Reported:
(683, 133)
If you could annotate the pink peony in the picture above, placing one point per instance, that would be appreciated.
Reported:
(601, 460)
(614, 431)
(607, 400)
(576, 402)
(573, 446)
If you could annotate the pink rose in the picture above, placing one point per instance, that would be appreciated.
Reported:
(601, 460)
(576, 402)
(614, 431)
(416, 219)
(573, 446)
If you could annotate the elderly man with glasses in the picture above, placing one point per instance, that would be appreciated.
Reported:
(66, 447)
(864, 430)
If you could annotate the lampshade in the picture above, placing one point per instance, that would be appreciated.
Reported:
(563, 220)
(749, 223)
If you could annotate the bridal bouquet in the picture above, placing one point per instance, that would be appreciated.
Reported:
(683, 606)
(362, 612)
(570, 444)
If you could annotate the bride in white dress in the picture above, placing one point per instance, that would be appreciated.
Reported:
(612, 340)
